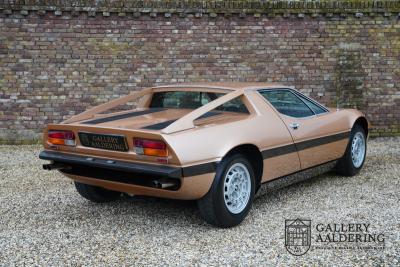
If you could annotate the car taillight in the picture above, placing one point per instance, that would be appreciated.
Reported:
(65, 138)
(150, 147)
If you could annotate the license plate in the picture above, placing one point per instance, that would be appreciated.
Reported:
(104, 141)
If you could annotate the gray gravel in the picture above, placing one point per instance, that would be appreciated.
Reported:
(45, 222)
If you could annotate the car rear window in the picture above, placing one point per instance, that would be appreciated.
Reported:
(194, 100)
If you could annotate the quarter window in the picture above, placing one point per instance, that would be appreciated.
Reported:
(234, 105)
(287, 103)
(317, 109)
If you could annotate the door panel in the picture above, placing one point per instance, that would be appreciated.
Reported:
(319, 139)
(321, 154)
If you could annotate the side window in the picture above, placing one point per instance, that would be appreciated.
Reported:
(317, 109)
(234, 105)
(287, 103)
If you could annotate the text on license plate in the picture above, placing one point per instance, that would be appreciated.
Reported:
(104, 141)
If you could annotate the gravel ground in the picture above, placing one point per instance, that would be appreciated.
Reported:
(45, 222)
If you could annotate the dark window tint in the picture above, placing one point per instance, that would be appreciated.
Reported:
(234, 105)
(287, 103)
(176, 99)
(194, 100)
(316, 108)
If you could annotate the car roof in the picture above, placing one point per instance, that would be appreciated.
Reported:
(226, 85)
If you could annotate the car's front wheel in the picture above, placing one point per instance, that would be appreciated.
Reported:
(95, 193)
(229, 200)
(353, 159)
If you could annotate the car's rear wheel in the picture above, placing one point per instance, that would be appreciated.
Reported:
(95, 193)
(229, 200)
(353, 159)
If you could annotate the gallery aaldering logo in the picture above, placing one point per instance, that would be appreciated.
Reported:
(297, 236)
(353, 236)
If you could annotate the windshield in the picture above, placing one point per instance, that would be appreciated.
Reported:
(194, 100)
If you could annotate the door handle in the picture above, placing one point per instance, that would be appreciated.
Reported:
(294, 125)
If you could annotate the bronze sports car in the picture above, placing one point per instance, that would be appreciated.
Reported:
(214, 142)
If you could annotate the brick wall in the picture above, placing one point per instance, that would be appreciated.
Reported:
(58, 60)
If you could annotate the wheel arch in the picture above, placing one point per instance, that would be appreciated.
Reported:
(253, 154)
(363, 122)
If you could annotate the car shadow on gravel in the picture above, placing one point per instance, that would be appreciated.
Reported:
(164, 202)
(185, 212)
(156, 209)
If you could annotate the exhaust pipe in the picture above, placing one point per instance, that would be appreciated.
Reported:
(54, 166)
(163, 184)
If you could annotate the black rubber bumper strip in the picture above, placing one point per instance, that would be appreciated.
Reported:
(287, 149)
(199, 169)
(138, 168)
(322, 140)
(278, 151)
(123, 116)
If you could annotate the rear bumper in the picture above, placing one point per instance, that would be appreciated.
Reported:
(135, 178)
(93, 162)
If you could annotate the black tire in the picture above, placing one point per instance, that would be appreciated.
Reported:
(96, 194)
(212, 206)
(345, 165)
